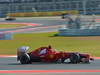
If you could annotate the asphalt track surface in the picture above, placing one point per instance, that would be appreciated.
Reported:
(44, 24)
(10, 66)
(10, 63)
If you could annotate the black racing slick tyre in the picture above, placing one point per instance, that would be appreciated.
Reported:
(74, 58)
(25, 59)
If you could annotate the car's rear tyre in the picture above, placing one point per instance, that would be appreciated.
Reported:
(74, 58)
(25, 59)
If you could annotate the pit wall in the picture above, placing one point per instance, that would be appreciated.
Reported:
(37, 14)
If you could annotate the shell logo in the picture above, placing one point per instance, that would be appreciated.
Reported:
(51, 56)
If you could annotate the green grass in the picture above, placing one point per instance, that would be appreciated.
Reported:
(10, 25)
(89, 45)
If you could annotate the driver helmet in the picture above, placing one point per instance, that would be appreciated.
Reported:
(49, 47)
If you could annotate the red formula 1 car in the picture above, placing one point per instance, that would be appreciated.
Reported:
(48, 55)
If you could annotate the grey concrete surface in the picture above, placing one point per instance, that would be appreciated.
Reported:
(13, 64)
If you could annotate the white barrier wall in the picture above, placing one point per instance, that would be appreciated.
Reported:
(79, 32)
